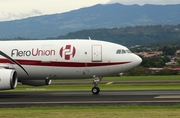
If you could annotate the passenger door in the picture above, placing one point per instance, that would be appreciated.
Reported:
(96, 53)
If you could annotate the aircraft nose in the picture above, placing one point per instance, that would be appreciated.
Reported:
(136, 60)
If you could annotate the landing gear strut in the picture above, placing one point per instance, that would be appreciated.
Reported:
(96, 89)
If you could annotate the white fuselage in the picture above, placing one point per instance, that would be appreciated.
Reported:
(66, 59)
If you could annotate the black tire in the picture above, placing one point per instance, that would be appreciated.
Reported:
(95, 90)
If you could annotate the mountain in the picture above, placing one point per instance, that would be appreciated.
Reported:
(98, 16)
(131, 35)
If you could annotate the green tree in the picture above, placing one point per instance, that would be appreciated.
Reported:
(168, 50)
(178, 61)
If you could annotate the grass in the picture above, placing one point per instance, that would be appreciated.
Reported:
(92, 112)
(174, 77)
(128, 78)
(87, 87)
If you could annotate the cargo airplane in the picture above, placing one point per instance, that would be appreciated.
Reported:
(38, 62)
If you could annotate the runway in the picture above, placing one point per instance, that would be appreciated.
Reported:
(86, 98)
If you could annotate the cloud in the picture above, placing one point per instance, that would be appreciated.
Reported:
(17, 9)
(142, 2)
(10, 9)
(6, 16)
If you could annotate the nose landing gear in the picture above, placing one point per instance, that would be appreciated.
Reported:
(96, 89)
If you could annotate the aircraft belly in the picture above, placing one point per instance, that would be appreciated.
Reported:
(34, 72)
(44, 72)
(88, 72)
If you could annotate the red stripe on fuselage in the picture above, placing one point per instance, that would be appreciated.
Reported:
(62, 64)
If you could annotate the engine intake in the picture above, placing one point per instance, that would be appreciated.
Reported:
(8, 79)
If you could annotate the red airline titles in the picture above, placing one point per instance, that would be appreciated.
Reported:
(33, 52)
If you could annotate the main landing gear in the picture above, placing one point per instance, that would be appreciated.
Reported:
(96, 89)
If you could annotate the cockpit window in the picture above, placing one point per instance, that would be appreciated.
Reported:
(118, 52)
(123, 51)
(128, 51)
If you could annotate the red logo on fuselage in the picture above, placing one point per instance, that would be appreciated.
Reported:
(67, 52)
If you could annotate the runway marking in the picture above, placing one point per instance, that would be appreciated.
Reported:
(109, 83)
(168, 96)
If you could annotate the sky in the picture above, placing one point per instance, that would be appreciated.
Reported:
(18, 9)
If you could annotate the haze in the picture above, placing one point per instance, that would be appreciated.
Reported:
(18, 9)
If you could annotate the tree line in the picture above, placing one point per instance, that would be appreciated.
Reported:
(131, 35)
(128, 36)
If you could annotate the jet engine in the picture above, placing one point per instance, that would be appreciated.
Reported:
(8, 79)
(36, 82)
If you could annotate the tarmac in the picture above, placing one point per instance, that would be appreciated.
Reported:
(86, 98)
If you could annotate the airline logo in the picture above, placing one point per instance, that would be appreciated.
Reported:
(67, 52)
(32, 52)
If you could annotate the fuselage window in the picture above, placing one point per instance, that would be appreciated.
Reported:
(118, 52)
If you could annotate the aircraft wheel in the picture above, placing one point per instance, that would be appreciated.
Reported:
(95, 90)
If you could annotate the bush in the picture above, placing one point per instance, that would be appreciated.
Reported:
(140, 71)
(167, 72)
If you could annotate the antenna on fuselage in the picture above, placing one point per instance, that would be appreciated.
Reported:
(89, 38)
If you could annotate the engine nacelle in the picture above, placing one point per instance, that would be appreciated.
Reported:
(8, 79)
(36, 82)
